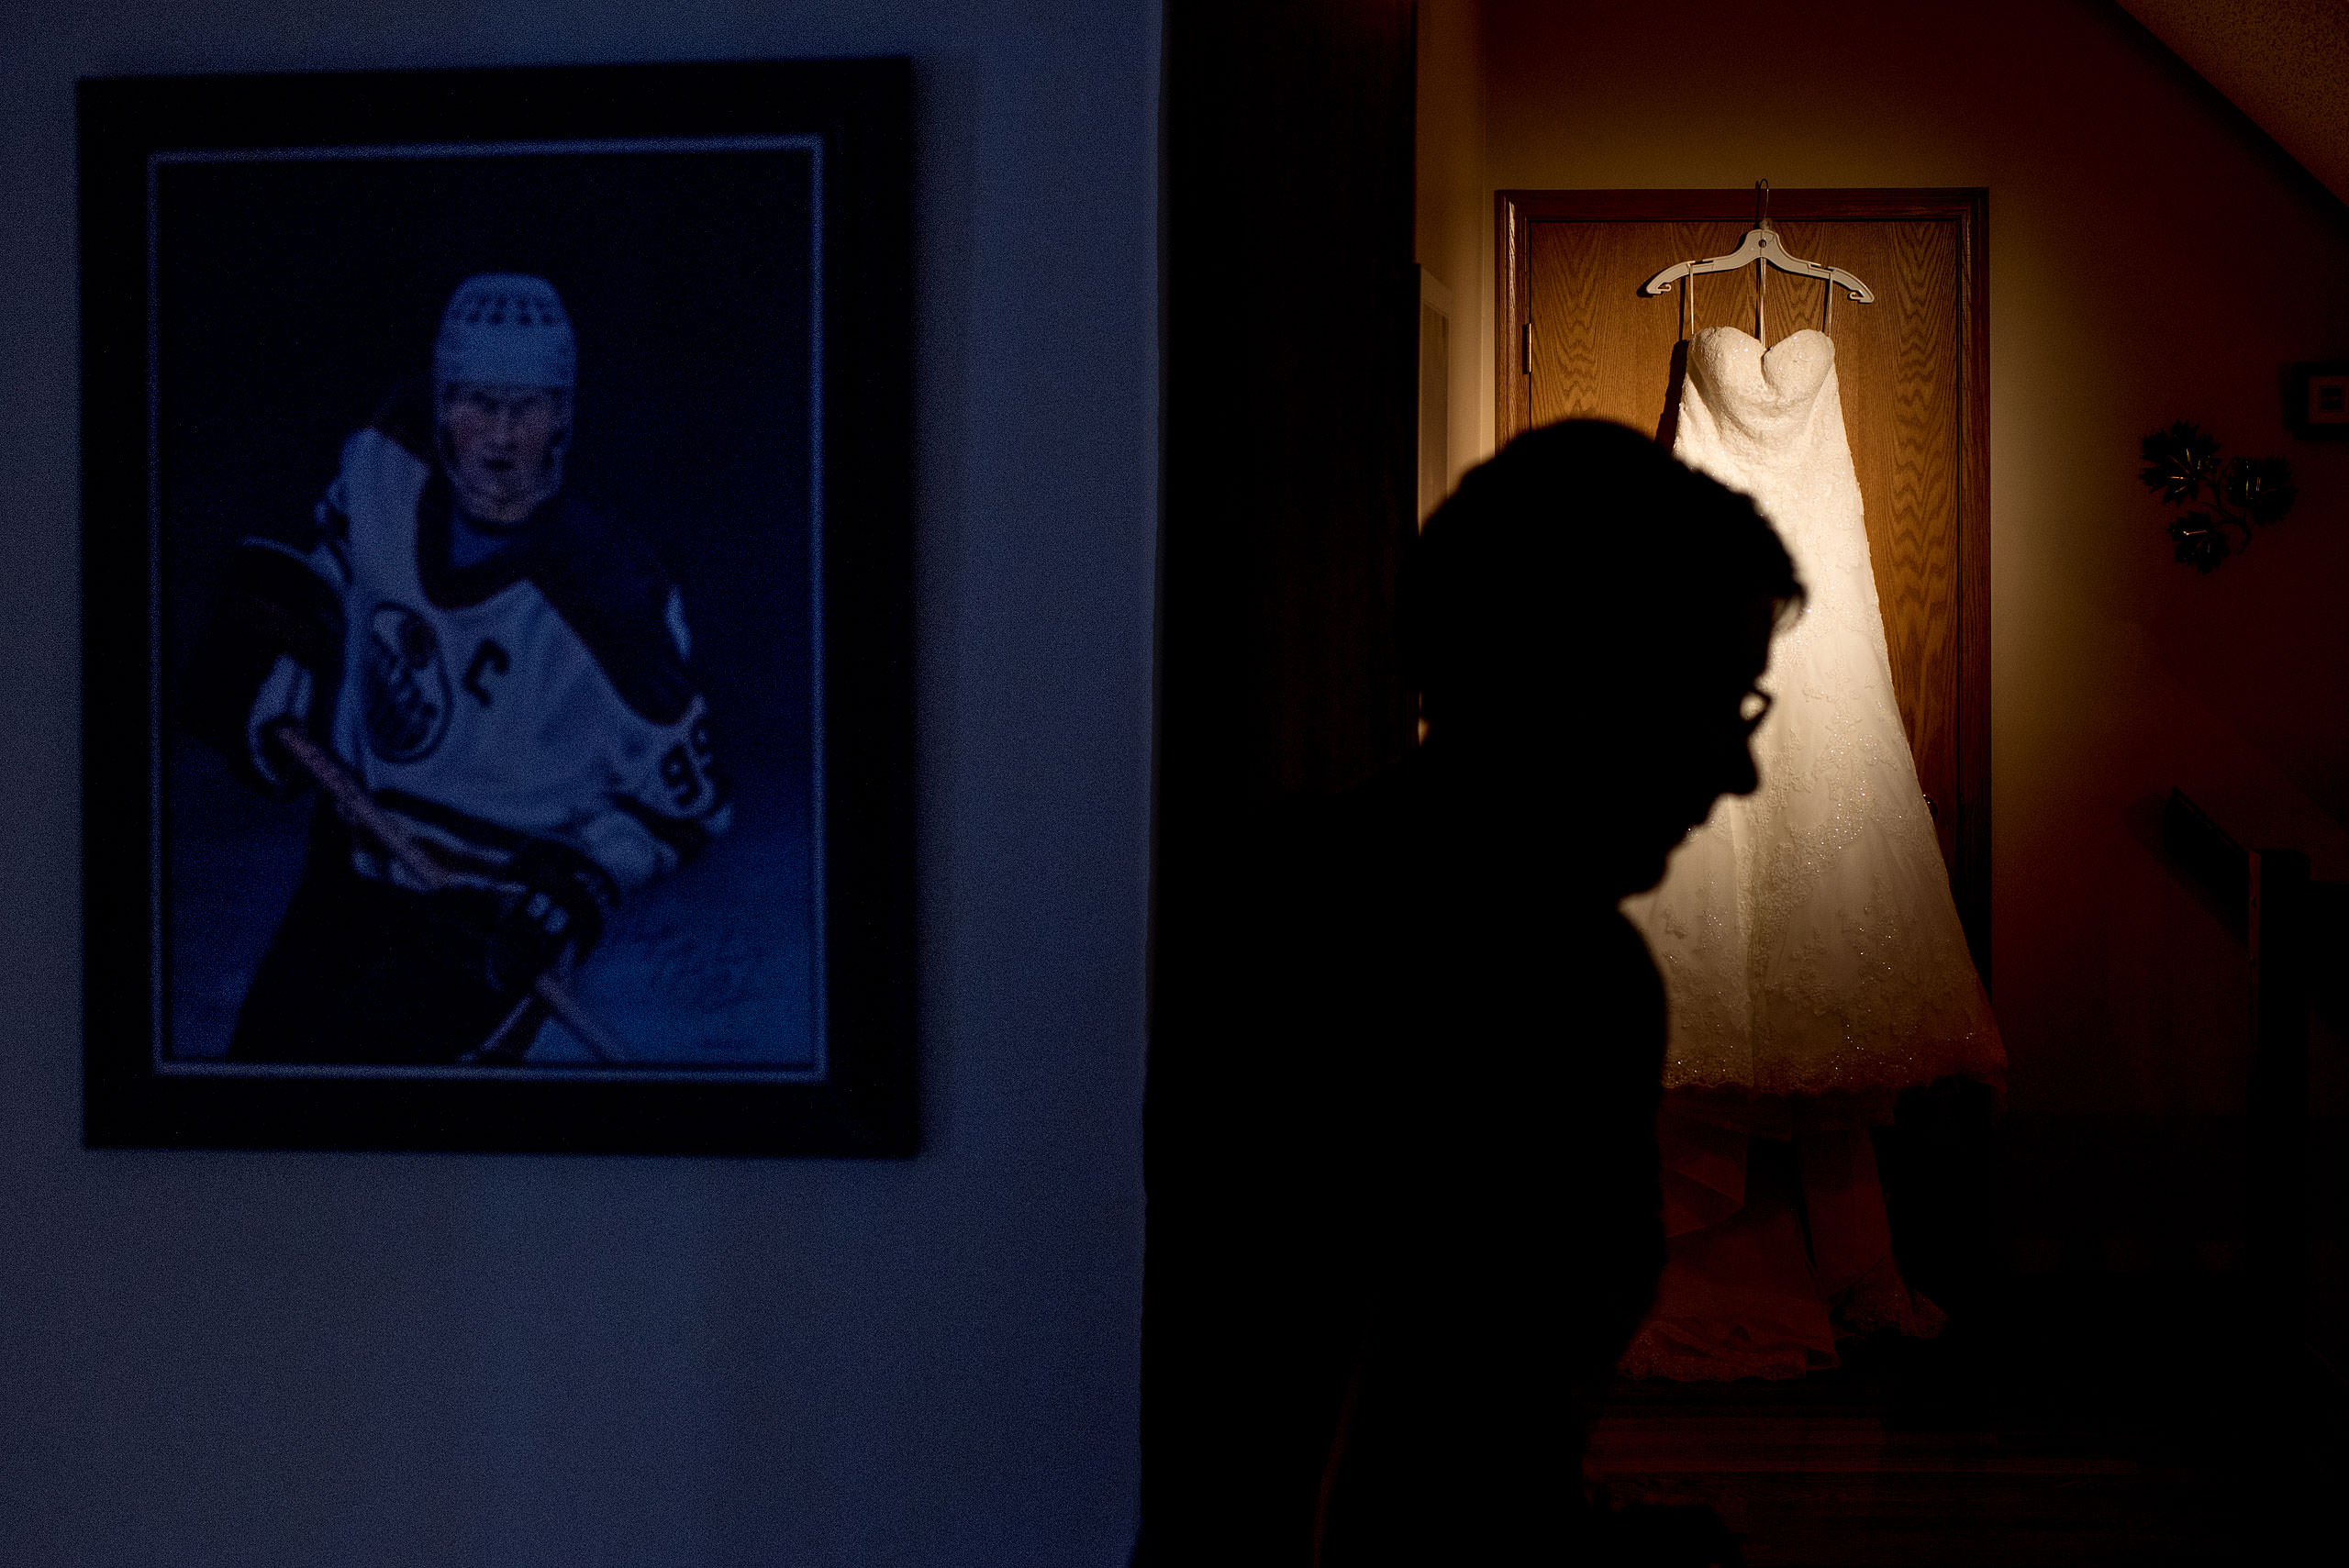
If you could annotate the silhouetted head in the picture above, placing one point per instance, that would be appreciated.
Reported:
(1587, 618)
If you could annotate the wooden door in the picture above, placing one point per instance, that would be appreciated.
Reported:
(1580, 341)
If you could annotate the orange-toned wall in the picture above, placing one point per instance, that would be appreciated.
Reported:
(1454, 215)
(2153, 257)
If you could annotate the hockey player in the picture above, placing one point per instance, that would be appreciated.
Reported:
(501, 667)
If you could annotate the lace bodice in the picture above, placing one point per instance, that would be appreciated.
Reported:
(1772, 426)
(1807, 935)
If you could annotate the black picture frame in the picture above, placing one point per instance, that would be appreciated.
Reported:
(2316, 400)
(853, 1093)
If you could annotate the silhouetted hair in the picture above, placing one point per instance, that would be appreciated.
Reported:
(1584, 546)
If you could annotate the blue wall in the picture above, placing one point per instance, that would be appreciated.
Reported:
(257, 1359)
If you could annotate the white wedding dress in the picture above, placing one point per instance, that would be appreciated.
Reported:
(1810, 949)
(1809, 945)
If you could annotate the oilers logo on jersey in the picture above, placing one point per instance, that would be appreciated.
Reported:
(405, 685)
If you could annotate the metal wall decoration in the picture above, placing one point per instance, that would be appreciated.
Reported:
(2222, 502)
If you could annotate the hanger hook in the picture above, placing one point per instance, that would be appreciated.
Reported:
(1762, 200)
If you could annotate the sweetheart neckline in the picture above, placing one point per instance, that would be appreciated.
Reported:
(1774, 347)
(1748, 375)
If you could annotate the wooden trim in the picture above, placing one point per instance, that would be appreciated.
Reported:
(1512, 395)
(1973, 573)
(1968, 208)
(1867, 203)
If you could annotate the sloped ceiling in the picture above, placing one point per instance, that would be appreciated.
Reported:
(2284, 62)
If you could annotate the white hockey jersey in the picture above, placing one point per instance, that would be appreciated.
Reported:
(541, 694)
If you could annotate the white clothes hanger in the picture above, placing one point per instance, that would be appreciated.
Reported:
(1760, 249)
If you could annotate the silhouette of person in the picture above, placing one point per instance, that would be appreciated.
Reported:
(1411, 1214)
(1590, 619)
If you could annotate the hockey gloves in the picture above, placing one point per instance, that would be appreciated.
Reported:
(557, 914)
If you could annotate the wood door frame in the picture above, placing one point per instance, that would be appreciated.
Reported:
(1968, 208)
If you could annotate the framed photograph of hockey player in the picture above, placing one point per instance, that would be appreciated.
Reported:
(497, 622)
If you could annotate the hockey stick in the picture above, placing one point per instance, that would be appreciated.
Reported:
(359, 809)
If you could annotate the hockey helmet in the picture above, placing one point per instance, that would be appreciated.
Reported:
(504, 330)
